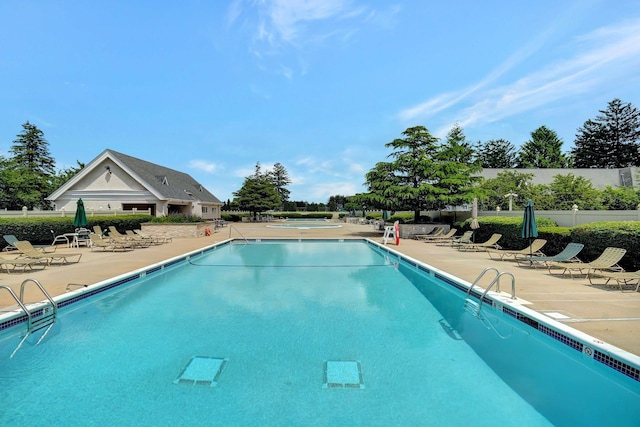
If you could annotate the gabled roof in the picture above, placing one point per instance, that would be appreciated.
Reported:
(163, 182)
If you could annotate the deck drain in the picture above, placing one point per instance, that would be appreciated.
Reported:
(342, 374)
(202, 370)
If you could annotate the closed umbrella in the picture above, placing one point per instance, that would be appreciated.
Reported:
(81, 217)
(474, 217)
(529, 227)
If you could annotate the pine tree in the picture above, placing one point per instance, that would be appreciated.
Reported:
(33, 174)
(612, 140)
(458, 166)
(280, 178)
(496, 153)
(543, 150)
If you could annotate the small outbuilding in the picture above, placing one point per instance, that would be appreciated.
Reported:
(117, 181)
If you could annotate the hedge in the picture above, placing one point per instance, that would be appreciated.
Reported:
(595, 236)
(38, 230)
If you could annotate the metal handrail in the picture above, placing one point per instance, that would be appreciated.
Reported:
(46, 294)
(495, 281)
(20, 303)
(513, 283)
(237, 231)
(480, 277)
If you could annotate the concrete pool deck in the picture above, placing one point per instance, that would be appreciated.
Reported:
(600, 311)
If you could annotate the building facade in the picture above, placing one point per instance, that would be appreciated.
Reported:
(117, 181)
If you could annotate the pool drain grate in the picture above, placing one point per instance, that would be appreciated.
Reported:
(202, 370)
(342, 374)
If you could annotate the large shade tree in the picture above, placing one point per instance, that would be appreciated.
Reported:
(611, 140)
(409, 180)
(258, 193)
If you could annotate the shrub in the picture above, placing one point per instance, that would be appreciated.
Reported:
(177, 219)
(38, 230)
(597, 236)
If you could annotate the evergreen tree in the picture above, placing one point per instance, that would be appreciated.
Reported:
(612, 140)
(409, 181)
(258, 194)
(280, 178)
(496, 153)
(457, 169)
(28, 176)
(543, 150)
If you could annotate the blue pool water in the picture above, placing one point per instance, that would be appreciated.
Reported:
(278, 318)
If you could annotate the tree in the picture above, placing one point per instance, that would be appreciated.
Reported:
(280, 178)
(569, 190)
(457, 169)
(409, 180)
(27, 177)
(497, 190)
(496, 153)
(65, 175)
(258, 193)
(612, 140)
(543, 150)
(620, 198)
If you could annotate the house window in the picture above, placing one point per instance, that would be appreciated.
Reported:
(205, 209)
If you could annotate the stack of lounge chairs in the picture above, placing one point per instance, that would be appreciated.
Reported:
(434, 238)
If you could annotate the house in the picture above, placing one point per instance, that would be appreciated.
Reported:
(116, 181)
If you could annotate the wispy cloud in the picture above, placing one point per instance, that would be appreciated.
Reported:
(203, 165)
(280, 28)
(609, 52)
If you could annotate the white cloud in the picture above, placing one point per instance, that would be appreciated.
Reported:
(607, 53)
(203, 165)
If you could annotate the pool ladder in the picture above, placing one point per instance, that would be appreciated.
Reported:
(42, 317)
(476, 307)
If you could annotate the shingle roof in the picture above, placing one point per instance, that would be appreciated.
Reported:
(170, 183)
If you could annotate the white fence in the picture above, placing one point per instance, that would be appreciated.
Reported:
(62, 213)
(572, 218)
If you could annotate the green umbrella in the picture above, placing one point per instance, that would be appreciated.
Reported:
(529, 227)
(385, 214)
(81, 217)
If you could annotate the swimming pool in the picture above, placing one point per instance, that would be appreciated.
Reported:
(304, 333)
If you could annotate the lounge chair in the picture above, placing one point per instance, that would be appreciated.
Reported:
(11, 240)
(491, 242)
(434, 239)
(436, 231)
(620, 277)
(10, 265)
(137, 240)
(568, 254)
(608, 260)
(456, 240)
(98, 243)
(29, 252)
(156, 239)
(533, 249)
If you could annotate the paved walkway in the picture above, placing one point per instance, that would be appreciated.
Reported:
(601, 311)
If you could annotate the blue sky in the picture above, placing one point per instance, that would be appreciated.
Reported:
(320, 86)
